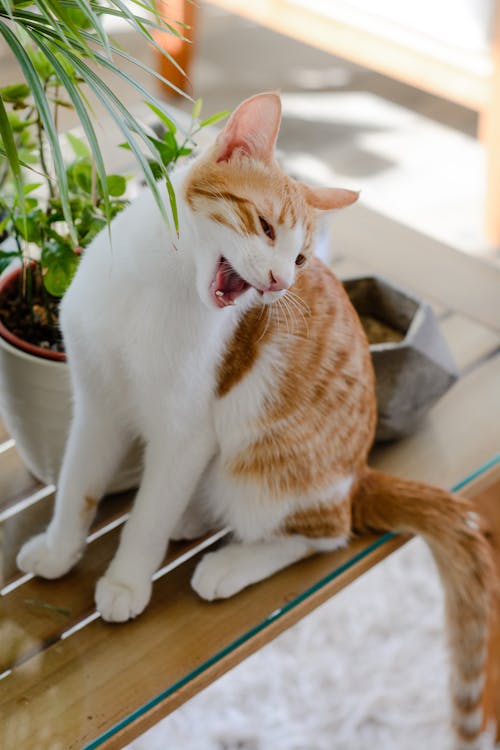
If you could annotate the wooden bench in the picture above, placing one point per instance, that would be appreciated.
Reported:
(69, 680)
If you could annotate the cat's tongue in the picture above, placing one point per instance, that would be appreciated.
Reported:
(227, 284)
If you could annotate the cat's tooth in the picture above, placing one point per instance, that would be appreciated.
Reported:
(219, 293)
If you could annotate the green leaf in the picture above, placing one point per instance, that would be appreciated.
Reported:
(165, 119)
(197, 109)
(79, 174)
(15, 92)
(6, 258)
(157, 169)
(166, 151)
(83, 114)
(43, 107)
(117, 185)
(173, 203)
(124, 121)
(10, 149)
(215, 118)
(79, 147)
(33, 186)
(59, 264)
(92, 229)
(40, 63)
(30, 225)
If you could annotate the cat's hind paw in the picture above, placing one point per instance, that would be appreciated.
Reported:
(218, 576)
(119, 601)
(39, 557)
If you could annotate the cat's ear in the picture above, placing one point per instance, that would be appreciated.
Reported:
(252, 129)
(328, 199)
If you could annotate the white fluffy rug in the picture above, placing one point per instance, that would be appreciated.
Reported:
(366, 671)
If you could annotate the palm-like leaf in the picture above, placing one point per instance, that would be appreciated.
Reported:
(75, 30)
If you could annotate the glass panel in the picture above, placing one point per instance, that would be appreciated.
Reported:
(300, 597)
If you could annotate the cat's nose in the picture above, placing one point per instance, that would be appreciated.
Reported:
(276, 283)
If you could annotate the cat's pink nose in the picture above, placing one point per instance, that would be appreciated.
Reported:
(277, 284)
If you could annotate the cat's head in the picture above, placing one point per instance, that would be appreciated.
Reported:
(257, 224)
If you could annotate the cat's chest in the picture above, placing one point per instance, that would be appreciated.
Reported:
(240, 413)
(170, 340)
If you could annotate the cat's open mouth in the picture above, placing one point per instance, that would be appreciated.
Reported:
(226, 284)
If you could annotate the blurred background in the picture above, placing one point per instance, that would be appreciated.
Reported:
(426, 161)
(415, 156)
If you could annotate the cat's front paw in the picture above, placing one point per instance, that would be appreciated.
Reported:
(119, 601)
(39, 557)
(218, 575)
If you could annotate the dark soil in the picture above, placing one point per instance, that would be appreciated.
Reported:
(36, 323)
(378, 332)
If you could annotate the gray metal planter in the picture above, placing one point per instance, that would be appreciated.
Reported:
(412, 373)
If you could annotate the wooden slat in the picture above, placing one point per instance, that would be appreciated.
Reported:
(365, 47)
(51, 607)
(77, 689)
(80, 685)
(469, 341)
(18, 528)
(420, 263)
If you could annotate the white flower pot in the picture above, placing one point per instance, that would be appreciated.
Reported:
(36, 407)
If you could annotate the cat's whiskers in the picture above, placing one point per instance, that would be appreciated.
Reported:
(264, 309)
(298, 299)
(283, 309)
(292, 302)
(297, 324)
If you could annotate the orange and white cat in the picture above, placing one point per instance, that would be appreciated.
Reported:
(239, 360)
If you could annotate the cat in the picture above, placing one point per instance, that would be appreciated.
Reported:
(236, 355)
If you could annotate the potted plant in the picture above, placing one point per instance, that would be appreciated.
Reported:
(413, 365)
(43, 245)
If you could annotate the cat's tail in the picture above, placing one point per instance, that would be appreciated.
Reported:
(451, 528)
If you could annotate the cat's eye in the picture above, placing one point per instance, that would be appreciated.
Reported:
(267, 228)
(300, 259)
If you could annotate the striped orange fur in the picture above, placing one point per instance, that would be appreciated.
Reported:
(315, 425)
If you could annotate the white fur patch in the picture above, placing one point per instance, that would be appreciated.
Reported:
(471, 721)
(246, 508)
(470, 691)
(328, 544)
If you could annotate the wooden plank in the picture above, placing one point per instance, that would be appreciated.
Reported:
(34, 615)
(364, 47)
(17, 528)
(469, 341)
(420, 263)
(75, 690)
(482, 484)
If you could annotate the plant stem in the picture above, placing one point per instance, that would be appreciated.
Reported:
(28, 270)
(46, 304)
